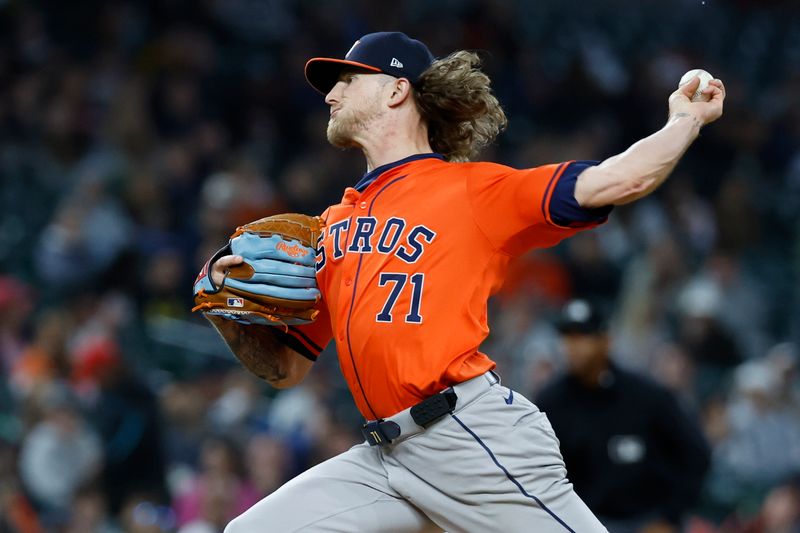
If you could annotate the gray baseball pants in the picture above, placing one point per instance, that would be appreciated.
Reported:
(492, 465)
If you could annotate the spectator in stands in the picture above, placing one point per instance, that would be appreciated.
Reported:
(758, 445)
(60, 454)
(89, 512)
(635, 457)
(269, 463)
(125, 415)
(16, 511)
(44, 359)
(220, 491)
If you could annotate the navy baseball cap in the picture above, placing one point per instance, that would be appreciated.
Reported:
(389, 52)
(581, 316)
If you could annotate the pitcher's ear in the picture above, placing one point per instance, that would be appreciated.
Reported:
(401, 90)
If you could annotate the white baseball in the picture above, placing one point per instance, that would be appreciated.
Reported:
(705, 77)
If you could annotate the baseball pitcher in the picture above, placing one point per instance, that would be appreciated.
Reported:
(398, 274)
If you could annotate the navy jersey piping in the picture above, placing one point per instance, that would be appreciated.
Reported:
(510, 477)
(353, 300)
(556, 173)
(574, 216)
(305, 337)
(295, 344)
(372, 175)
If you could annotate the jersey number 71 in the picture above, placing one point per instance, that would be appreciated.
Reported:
(398, 281)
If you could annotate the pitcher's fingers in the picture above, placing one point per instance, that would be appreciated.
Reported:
(688, 88)
(227, 261)
(717, 83)
(714, 93)
(221, 266)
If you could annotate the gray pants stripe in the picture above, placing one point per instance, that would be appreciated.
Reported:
(510, 477)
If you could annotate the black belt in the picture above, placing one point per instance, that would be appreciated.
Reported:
(426, 412)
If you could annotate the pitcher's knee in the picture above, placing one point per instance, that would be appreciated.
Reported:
(236, 526)
(263, 516)
(232, 527)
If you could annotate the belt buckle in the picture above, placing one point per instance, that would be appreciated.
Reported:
(380, 432)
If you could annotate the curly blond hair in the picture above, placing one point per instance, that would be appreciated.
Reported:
(454, 98)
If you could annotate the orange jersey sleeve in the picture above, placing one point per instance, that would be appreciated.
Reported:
(515, 208)
(310, 339)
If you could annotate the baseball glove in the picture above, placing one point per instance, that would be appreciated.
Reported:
(276, 284)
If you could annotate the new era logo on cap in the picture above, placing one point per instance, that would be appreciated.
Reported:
(374, 52)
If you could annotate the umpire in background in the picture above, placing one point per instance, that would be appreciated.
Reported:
(632, 453)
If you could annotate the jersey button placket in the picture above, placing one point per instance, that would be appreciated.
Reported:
(348, 267)
(349, 364)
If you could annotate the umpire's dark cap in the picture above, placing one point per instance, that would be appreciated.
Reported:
(389, 52)
(581, 316)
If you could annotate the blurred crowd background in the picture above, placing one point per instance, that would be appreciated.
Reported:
(134, 136)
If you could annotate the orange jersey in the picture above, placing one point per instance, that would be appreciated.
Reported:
(406, 265)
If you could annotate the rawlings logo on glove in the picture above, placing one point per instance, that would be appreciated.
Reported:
(293, 250)
(276, 284)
